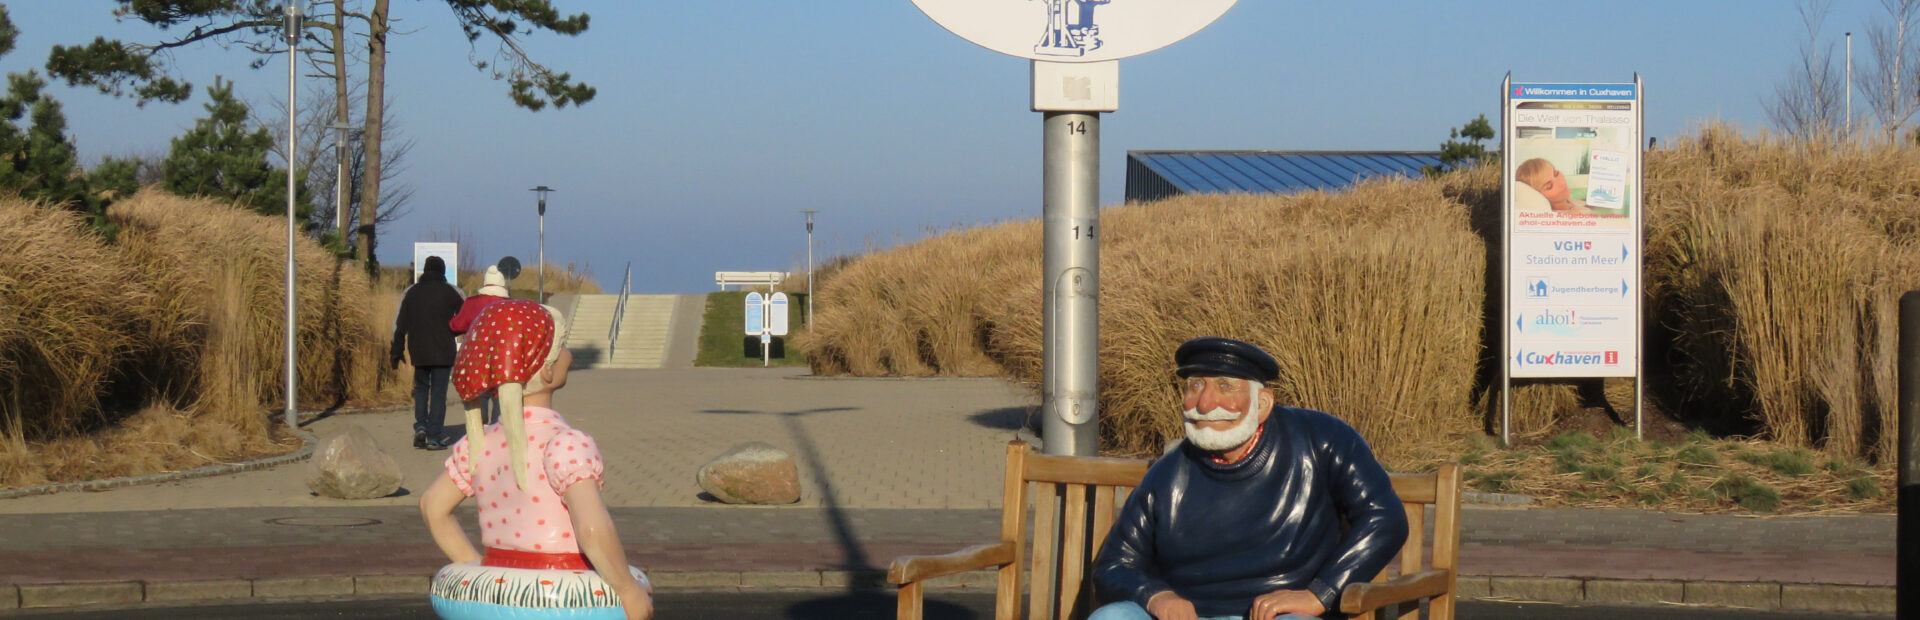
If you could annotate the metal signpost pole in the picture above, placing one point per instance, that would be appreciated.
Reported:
(1075, 73)
(1506, 250)
(1907, 498)
(1639, 250)
(1071, 289)
(293, 76)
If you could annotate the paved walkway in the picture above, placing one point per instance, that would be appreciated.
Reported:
(888, 467)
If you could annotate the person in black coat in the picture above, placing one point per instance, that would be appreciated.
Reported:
(420, 331)
(1263, 512)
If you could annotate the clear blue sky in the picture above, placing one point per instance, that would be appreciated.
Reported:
(716, 122)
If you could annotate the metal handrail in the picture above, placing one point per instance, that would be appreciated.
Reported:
(620, 310)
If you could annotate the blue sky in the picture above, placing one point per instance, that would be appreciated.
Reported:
(717, 122)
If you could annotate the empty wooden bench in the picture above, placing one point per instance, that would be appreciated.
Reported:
(1085, 492)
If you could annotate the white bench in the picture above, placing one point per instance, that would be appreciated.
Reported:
(748, 278)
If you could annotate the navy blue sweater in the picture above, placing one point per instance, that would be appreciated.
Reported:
(1307, 509)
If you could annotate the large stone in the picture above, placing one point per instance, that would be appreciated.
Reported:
(752, 473)
(351, 466)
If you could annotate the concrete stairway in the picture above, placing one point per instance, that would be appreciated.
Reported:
(644, 331)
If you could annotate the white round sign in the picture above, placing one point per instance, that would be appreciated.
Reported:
(1073, 30)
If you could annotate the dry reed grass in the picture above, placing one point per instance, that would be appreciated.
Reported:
(179, 323)
(68, 311)
(1299, 275)
(1775, 269)
(1773, 273)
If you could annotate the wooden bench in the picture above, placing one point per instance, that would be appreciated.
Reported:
(1061, 559)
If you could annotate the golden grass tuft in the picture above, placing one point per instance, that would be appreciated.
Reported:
(1773, 274)
(68, 314)
(163, 350)
(1775, 269)
(1298, 275)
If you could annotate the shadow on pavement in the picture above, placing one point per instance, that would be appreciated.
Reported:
(854, 557)
(1005, 418)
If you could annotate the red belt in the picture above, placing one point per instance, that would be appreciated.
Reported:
(508, 558)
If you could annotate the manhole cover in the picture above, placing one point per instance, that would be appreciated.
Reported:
(324, 521)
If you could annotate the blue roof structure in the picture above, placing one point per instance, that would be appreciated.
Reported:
(1154, 175)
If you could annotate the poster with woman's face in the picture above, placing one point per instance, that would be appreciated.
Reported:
(1572, 165)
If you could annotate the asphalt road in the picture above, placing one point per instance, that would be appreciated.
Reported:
(835, 606)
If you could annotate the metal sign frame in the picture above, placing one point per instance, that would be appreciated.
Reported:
(1564, 248)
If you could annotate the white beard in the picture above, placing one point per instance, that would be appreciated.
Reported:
(1229, 438)
(1220, 440)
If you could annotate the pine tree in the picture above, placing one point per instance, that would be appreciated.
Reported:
(1463, 147)
(225, 156)
(141, 70)
(39, 161)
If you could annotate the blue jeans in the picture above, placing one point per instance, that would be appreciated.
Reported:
(1129, 610)
(430, 399)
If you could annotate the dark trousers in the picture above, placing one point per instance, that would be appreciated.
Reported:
(430, 399)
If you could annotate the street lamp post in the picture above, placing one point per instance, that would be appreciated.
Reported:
(809, 213)
(293, 47)
(340, 132)
(543, 190)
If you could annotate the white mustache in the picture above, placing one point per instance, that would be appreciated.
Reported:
(1217, 415)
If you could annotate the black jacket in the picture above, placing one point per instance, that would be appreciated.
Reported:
(1307, 509)
(421, 323)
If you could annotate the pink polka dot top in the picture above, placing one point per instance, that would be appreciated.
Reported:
(534, 519)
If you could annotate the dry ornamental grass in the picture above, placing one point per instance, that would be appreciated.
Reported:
(161, 351)
(1773, 272)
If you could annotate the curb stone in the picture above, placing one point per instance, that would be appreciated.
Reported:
(81, 594)
(1798, 597)
(308, 442)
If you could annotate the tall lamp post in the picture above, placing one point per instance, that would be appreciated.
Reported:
(341, 132)
(293, 47)
(809, 213)
(543, 190)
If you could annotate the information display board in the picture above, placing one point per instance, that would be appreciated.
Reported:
(1573, 229)
(447, 251)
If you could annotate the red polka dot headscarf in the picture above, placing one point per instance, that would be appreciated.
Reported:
(510, 343)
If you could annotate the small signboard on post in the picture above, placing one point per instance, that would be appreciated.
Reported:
(756, 314)
(766, 318)
(447, 251)
(777, 314)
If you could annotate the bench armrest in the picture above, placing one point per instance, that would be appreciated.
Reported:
(1364, 597)
(913, 568)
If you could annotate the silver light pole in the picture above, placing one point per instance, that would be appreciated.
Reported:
(543, 190)
(1849, 134)
(293, 75)
(1071, 324)
(340, 132)
(809, 213)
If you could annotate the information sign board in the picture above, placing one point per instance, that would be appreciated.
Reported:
(1573, 187)
(447, 251)
(777, 314)
(756, 314)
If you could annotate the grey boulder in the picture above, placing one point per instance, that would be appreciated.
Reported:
(351, 466)
(752, 473)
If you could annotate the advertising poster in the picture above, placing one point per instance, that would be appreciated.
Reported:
(1572, 191)
(448, 252)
